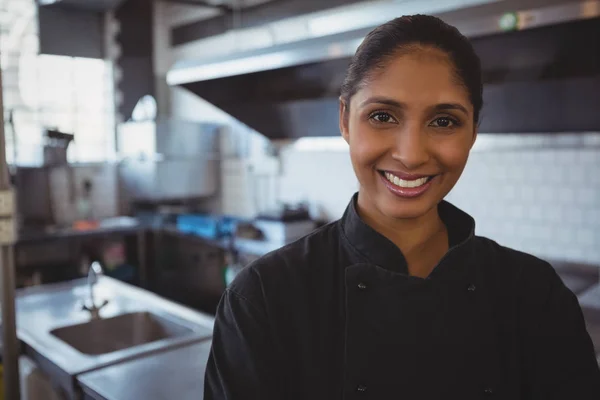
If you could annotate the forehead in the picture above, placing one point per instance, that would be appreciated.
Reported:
(421, 77)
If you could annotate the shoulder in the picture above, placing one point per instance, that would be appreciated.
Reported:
(510, 258)
(287, 265)
(520, 270)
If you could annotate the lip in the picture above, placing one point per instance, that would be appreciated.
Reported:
(407, 193)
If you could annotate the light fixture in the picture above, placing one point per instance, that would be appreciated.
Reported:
(47, 2)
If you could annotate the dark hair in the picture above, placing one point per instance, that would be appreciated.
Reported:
(401, 34)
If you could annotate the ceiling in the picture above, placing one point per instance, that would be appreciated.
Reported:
(230, 3)
(104, 5)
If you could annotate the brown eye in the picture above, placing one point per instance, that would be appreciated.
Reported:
(382, 117)
(444, 122)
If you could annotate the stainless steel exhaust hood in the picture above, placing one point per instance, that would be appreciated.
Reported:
(541, 67)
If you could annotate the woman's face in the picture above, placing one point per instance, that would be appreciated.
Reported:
(410, 129)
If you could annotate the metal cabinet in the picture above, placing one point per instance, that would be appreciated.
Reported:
(188, 270)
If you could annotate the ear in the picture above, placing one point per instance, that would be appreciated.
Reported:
(344, 120)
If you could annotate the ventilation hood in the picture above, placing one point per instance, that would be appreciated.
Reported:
(541, 66)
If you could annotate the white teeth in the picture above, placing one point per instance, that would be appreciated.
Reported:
(405, 184)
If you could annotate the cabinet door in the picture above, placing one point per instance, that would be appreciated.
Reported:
(43, 253)
(189, 271)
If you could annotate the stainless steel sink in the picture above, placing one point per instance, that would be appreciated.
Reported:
(102, 336)
(60, 337)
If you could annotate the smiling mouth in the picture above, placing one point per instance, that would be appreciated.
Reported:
(406, 183)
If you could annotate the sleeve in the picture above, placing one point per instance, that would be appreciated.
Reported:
(559, 358)
(242, 362)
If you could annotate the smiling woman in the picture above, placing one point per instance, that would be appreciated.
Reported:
(400, 298)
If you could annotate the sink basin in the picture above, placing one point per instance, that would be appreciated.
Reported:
(103, 336)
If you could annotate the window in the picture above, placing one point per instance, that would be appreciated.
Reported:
(73, 95)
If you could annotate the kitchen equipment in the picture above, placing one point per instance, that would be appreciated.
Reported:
(136, 322)
(284, 232)
(285, 224)
(34, 210)
(101, 336)
(67, 186)
(91, 306)
(35, 385)
(538, 76)
(287, 213)
(55, 147)
(201, 225)
(168, 160)
(209, 226)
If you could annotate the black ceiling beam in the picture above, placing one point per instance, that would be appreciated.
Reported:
(250, 17)
(201, 3)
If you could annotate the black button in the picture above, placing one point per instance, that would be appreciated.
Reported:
(362, 286)
(361, 388)
(471, 288)
(488, 392)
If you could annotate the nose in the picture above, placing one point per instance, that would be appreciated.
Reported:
(410, 147)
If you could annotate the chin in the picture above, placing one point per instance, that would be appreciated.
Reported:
(401, 208)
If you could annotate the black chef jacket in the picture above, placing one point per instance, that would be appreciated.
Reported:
(335, 315)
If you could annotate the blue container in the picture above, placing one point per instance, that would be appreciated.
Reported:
(228, 226)
(209, 226)
(198, 224)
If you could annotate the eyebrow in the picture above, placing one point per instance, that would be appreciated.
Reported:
(397, 104)
(451, 106)
(383, 100)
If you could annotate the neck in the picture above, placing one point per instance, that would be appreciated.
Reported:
(412, 235)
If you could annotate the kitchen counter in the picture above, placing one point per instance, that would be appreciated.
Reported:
(247, 246)
(44, 308)
(223, 243)
(117, 225)
(41, 309)
(37, 248)
(127, 225)
(173, 374)
(576, 276)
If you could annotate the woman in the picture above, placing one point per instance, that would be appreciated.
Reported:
(399, 299)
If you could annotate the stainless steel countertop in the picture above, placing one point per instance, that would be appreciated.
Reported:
(249, 246)
(173, 374)
(41, 309)
(109, 226)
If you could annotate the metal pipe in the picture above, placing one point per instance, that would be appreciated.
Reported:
(10, 356)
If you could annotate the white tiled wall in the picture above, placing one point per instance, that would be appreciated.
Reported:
(324, 179)
(543, 201)
(67, 186)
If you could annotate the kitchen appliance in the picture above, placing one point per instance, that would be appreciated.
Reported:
(284, 232)
(209, 226)
(168, 160)
(540, 60)
(67, 187)
(284, 224)
(55, 147)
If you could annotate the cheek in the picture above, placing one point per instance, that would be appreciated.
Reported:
(366, 146)
(453, 156)
(362, 153)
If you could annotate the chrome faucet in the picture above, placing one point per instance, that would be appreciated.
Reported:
(94, 272)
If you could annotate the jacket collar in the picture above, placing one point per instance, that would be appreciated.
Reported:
(375, 248)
